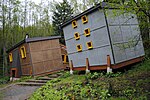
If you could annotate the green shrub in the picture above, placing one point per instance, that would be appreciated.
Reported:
(65, 75)
(4, 80)
(94, 75)
(109, 75)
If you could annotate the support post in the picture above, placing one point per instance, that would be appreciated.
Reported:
(71, 66)
(87, 65)
(109, 69)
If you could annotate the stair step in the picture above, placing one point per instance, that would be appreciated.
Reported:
(37, 81)
(30, 84)
(45, 78)
(54, 76)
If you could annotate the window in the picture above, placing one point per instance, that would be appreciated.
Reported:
(79, 47)
(87, 32)
(89, 45)
(23, 52)
(65, 58)
(74, 24)
(84, 19)
(77, 36)
(10, 57)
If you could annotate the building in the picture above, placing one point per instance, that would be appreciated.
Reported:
(103, 37)
(37, 56)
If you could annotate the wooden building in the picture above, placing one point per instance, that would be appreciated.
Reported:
(37, 56)
(103, 37)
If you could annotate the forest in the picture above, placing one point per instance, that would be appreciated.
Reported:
(21, 17)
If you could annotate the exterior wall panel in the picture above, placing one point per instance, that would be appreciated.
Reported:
(124, 35)
(47, 58)
(98, 37)
(25, 62)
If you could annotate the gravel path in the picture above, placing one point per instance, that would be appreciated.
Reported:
(17, 92)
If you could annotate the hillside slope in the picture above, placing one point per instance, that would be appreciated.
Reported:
(132, 84)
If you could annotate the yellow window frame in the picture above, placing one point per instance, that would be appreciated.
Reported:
(23, 52)
(74, 24)
(84, 19)
(64, 57)
(76, 35)
(79, 47)
(10, 57)
(89, 45)
(87, 32)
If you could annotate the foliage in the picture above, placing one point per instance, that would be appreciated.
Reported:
(65, 75)
(4, 80)
(94, 75)
(18, 18)
(62, 12)
(131, 85)
(83, 5)
(111, 74)
(140, 8)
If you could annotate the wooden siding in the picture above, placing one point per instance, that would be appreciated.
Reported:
(26, 65)
(46, 56)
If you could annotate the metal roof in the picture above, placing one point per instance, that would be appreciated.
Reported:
(103, 4)
(34, 39)
(97, 6)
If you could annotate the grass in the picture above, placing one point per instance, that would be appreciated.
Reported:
(132, 84)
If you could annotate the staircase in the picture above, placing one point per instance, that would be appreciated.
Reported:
(39, 81)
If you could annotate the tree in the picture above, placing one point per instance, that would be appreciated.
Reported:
(18, 18)
(61, 13)
(142, 9)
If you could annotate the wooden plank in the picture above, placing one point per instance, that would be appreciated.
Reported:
(55, 43)
(125, 63)
(26, 70)
(35, 46)
(38, 67)
(87, 64)
(46, 44)
(37, 56)
(26, 60)
(104, 67)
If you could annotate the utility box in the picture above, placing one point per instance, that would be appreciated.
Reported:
(103, 36)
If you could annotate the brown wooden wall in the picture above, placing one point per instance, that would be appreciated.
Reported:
(26, 64)
(46, 56)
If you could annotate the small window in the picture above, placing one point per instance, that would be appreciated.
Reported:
(79, 48)
(74, 24)
(77, 36)
(87, 32)
(10, 57)
(89, 45)
(23, 52)
(65, 58)
(84, 19)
